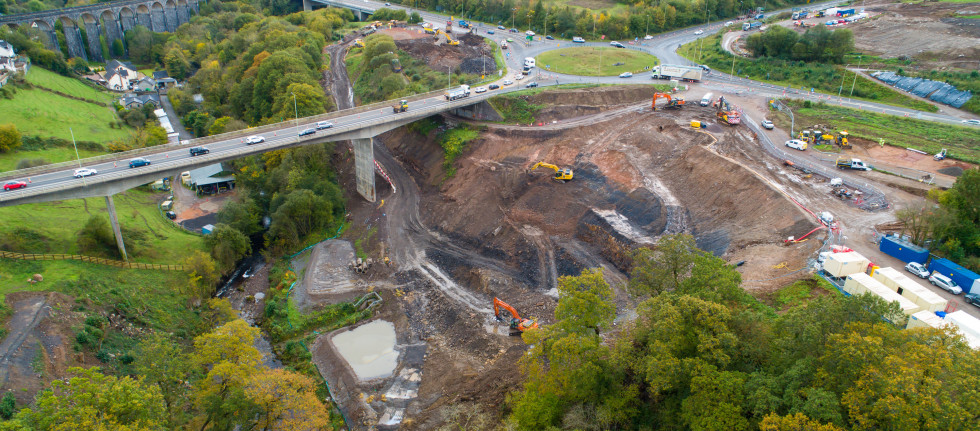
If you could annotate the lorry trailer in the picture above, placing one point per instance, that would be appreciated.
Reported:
(670, 71)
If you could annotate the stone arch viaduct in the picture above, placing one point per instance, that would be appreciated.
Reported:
(104, 19)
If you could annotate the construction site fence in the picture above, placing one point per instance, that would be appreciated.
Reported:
(90, 259)
(872, 199)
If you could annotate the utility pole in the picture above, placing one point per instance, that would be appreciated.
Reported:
(842, 77)
(855, 77)
(295, 111)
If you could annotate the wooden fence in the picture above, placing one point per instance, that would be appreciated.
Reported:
(90, 259)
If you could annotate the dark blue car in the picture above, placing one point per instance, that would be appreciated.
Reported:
(139, 161)
(306, 132)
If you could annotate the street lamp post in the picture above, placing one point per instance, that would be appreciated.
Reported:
(76, 147)
(512, 13)
(295, 110)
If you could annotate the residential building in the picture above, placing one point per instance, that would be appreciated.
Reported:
(121, 76)
(135, 101)
(164, 80)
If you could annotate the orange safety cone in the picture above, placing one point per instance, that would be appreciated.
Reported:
(114, 163)
(28, 180)
(167, 156)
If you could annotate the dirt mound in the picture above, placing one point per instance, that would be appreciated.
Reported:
(923, 30)
(469, 56)
(604, 96)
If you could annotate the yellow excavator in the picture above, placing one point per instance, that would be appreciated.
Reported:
(842, 139)
(449, 39)
(562, 175)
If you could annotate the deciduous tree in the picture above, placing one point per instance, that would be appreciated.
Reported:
(9, 138)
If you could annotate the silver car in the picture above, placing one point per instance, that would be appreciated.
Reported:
(945, 283)
(918, 269)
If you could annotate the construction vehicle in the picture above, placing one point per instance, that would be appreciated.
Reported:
(396, 65)
(855, 164)
(940, 155)
(458, 92)
(400, 107)
(562, 175)
(358, 43)
(672, 102)
(517, 324)
(841, 139)
(427, 28)
(464, 24)
(449, 39)
(727, 112)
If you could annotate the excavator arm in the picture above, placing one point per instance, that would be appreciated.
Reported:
(560, 174)
(516, 323)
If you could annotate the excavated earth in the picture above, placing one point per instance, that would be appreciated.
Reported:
(472, 54)
(497, 229)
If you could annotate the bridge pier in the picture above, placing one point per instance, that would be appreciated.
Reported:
(73, 38)
(52, 42)
(307, 5)
(143, 19)
(364, 167)
(115, 227)
(92, 32)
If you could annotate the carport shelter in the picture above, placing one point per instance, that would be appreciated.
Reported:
(212, 179)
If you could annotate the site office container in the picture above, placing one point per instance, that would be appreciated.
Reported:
(968, 325)
(861, 283)
(968, 280)
(909, 288)
(903, 250)
(926, 319)
(843, 264)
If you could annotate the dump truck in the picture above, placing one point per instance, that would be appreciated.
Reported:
(458, 92)
(855, 164)
(751, 25)
(670, 71)
(400, 107)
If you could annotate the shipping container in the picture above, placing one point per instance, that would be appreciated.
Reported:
(167, 205)
(903, 250)
(968, 280)
(925, 319)
(843, 264)
(861, 283)
(909, 288)
(208, 228)
(967, 325)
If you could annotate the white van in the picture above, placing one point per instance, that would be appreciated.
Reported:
(706, 100)
(529, 62)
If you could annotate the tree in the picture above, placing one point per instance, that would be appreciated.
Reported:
(163, 363)
(242, 215)
(286, 401)
(96, 236)
(202, 275)
(415, 18)
(198, 122)
(797, 422)
(225, 125)
(663, 268)
(716, 400)
(915, 221)
(8, 406)
(91, 400)
(309, 100)
(177, 65)
(227, 245)
(10, 138)
(118, 50)
(228, 359)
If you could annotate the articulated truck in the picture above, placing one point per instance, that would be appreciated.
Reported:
(669, 71)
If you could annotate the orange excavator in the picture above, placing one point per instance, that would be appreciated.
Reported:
(672, 102)
(517, 325)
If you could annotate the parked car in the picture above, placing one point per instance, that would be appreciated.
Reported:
(306, 132)
(494, 86)
(699, 32)
(320, 125)
(917, 269)
(531, 85)
(197, 151)
(13, 185)
(945, 283)
(972, 298)
(491, 31)
(626, 75)
(768, 124)
(254, 139)
(796, 144)
(617, 44)
(85, 172)
(507, 82)
(577, 39)
(549, 37)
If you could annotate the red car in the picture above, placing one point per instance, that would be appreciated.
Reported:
(13, 185)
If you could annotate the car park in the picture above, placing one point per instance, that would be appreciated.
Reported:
(507, 82)
(531, 85)
(85, 172)
(494, 87)
(796, 144)
(13, 185)
(197, 151)
(699, 32)
(918, 269)
(768, 124)
(626, 75)
(972, 298)
(139, 161)
(577, 39)
(320, 125)
(945, 283)
(480, 89)
(306, 132)
(254, 139)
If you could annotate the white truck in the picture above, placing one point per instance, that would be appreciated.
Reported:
(855, 164)
(529, 62)
(669, 71)
(458, 92)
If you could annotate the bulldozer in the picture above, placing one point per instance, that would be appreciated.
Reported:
(517, 324)
(400, 107)
(672, 102)
(727, 112)
(562, 175)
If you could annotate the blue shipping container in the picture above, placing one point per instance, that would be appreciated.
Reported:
(903, 250)
(968, 280)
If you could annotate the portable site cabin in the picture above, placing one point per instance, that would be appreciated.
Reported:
(968, 325)
(903, 250)
(968, 280)
(843, 264)
(861, 283)
(167, 205)
(926, 319)
(911, 289)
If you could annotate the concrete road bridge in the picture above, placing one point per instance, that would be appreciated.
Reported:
(103, 19)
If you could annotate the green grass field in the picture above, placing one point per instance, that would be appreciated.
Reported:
(53, 81)
(38, 112)
(963, 142)
(585, 61)
(8, 161)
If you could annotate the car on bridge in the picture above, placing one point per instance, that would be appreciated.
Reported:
(197, 151)
(307, 132)
(13, 185)
(139, 161)
(85, 172)
(494, 87)
(577, 39)
(320, 125)
(254, 139)
(481, 89)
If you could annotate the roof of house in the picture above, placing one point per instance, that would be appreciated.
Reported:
(209, 175)
(115, 64)
(143, 99)
(6, 49)
(160, 74)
